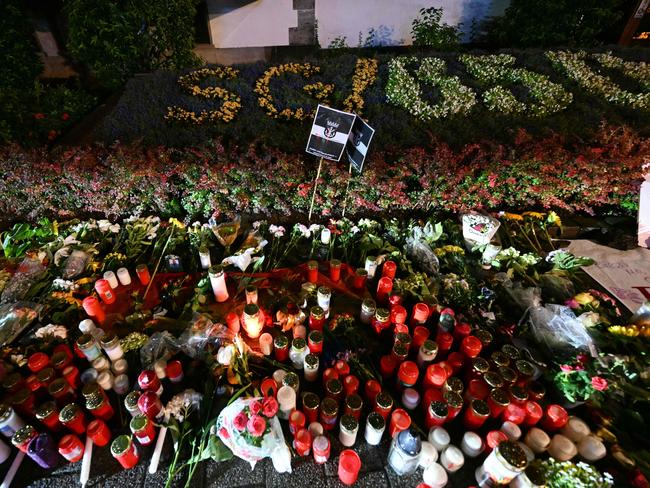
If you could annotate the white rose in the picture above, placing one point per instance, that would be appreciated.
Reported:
(224, 356)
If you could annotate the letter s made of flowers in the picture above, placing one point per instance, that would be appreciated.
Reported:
(190, 84)
(320, 91)
(576, 67)
(498, 68)
(403, 90)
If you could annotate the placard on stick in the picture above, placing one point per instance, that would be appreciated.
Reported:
(329, 133)
(358, 143)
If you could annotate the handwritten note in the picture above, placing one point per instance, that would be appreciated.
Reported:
(625, 274)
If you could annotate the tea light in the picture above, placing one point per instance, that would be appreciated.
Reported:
(124, 276)
(537, 440)
(252, 320)
(512, 430)
(160, 368)
(120, 366)
(472, 444)
(278, 376)
(575, 429)
(105, 380)
(287, 401)
(428, 455)
(435, 476)
(439, 437)
(266, 344)
(111, 278)
(591, 448)
(315, 429)
(204, 257)
(300, 331)
(562, 448)
(452, 459)
(101, 364)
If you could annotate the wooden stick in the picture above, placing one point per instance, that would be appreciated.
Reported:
(155, 457)
(85, 462)
(162, 253)
(347, 189)
(9, 477)
(313, 197)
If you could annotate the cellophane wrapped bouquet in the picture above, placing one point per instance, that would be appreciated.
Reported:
(250, 428)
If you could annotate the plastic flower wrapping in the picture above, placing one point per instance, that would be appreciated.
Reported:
(250, 428)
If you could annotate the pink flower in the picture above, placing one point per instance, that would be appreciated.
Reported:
(256, 425)
(224, 433)
(270, 406)
(572, 303)
(240, 421)
(582, 358)
(565, 368)
(599, 383)
(579, 367)
(255, 407)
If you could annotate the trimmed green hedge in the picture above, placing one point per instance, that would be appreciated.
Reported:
(140, 114)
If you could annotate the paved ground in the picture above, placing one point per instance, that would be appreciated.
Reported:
(106, 473)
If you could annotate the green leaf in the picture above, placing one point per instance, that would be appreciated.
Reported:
(218, 451)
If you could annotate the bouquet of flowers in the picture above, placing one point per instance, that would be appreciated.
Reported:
(250, 429)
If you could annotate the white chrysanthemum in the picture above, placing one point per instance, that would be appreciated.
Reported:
(181, 405)
(51, 330)
(276, 230)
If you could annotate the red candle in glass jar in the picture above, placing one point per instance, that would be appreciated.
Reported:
(62, 391)
(71, 375)
(350, 384)
(371, 389)
(399, 420)
(334, 389)
(384, 287)
(435, 376)
(124, 450)
(269, 387)
(444, 340)
(302, 442)
(436, 414)
(143, 429)
(71, 448)
(329, 412)
(149, 404)
(73, 418)
(420, 334)
(60, 360)
(310, 404)
(353, 406)
(149, 381)
(394, 300)
(38, 361)
(143, 274)
(454, 403)
(493, 439)
(398, 317)
(48, 415)
(33, 384)
(93, 308)
(408, 373)
(360, 279)
(105, 291)
(99, 432)
(383, 404)
(461, 331)
(315, 342)
(430, 395)
(335, 270)
(534, 413)
(387, 365)
(498, 400)
(536, 391)
(312, 271)
(23, 402)
(297, 421)
(316, 318)
(471, 346)
(342, 368)
(329, 374)
(321, 446)
(64, 348)
(349, 466)
(420, 314)
(477, 389)
(555, 417)
(476, 414)
(457, 361)
(514, 413)
(281, 348)
(389, 269)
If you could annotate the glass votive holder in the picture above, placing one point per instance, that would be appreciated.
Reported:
(428, 454)
(472, 444)
(452, 459)
(121, 384)
(439, 437)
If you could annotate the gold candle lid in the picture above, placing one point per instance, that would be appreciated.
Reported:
(500, 397)
(317, 312)
(120, 445)
(311, 360)
(438, 408)
(310, 400)
(480, 365)
(68, 412)
(453, 399)
(45, 410)
(429, 347)
(329, 406)
(500, 359)
(454, 384)
(511, 454)
(511, 351)
(382, 314)
(384, 400)
(493, 379)
(480, 408)
(23, 434)
(354, 402)
(508, 374)
(349, 423)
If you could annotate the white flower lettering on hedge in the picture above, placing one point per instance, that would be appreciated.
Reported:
(403, 90)
(575, 66)
(499, 68)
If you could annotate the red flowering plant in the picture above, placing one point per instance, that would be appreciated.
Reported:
(253, 420)
(594, 307)
(581, 379)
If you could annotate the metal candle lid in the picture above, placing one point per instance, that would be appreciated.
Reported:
(511, 454)
(120, 445)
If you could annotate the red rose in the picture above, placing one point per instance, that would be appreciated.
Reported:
(256, 425)
(240, 421)
(224, 433)
(579, 367)
(270, 406)
(582, 358)
(255, 407)
(599, 383)
(65, 116)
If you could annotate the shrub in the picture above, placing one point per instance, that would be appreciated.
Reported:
(427, 30)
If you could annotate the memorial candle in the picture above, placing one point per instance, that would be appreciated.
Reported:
(218, 282)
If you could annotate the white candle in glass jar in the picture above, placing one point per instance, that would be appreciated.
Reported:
(105, 380)
(101, 364)
(348, 429)
(439, 437)
(266, 343)
(375, 426)
(311, 365)
(410, 398)
(112, 279)
(575, 429)
(218, 283)
(124, 276)
(472, 444)
(435, 476)
(591, 448)
(278, 376)
(120, 366)
(452, 459)
(371, 266)
(562, 448)
(121, 384)
(287, 401)
(511, 429)
(537, 440)
(428, 454)
(204, 257)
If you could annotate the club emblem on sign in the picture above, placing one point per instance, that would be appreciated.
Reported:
(330, 130)
(356, 138)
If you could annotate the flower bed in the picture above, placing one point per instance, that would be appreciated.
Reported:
(199, 181)
(407, 99)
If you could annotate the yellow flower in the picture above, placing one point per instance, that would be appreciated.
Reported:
(584, 298)
(177, 223)
(512, 216)
(553, 218)
(535, 215)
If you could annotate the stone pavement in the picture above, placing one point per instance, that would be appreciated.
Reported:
(106, 472)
